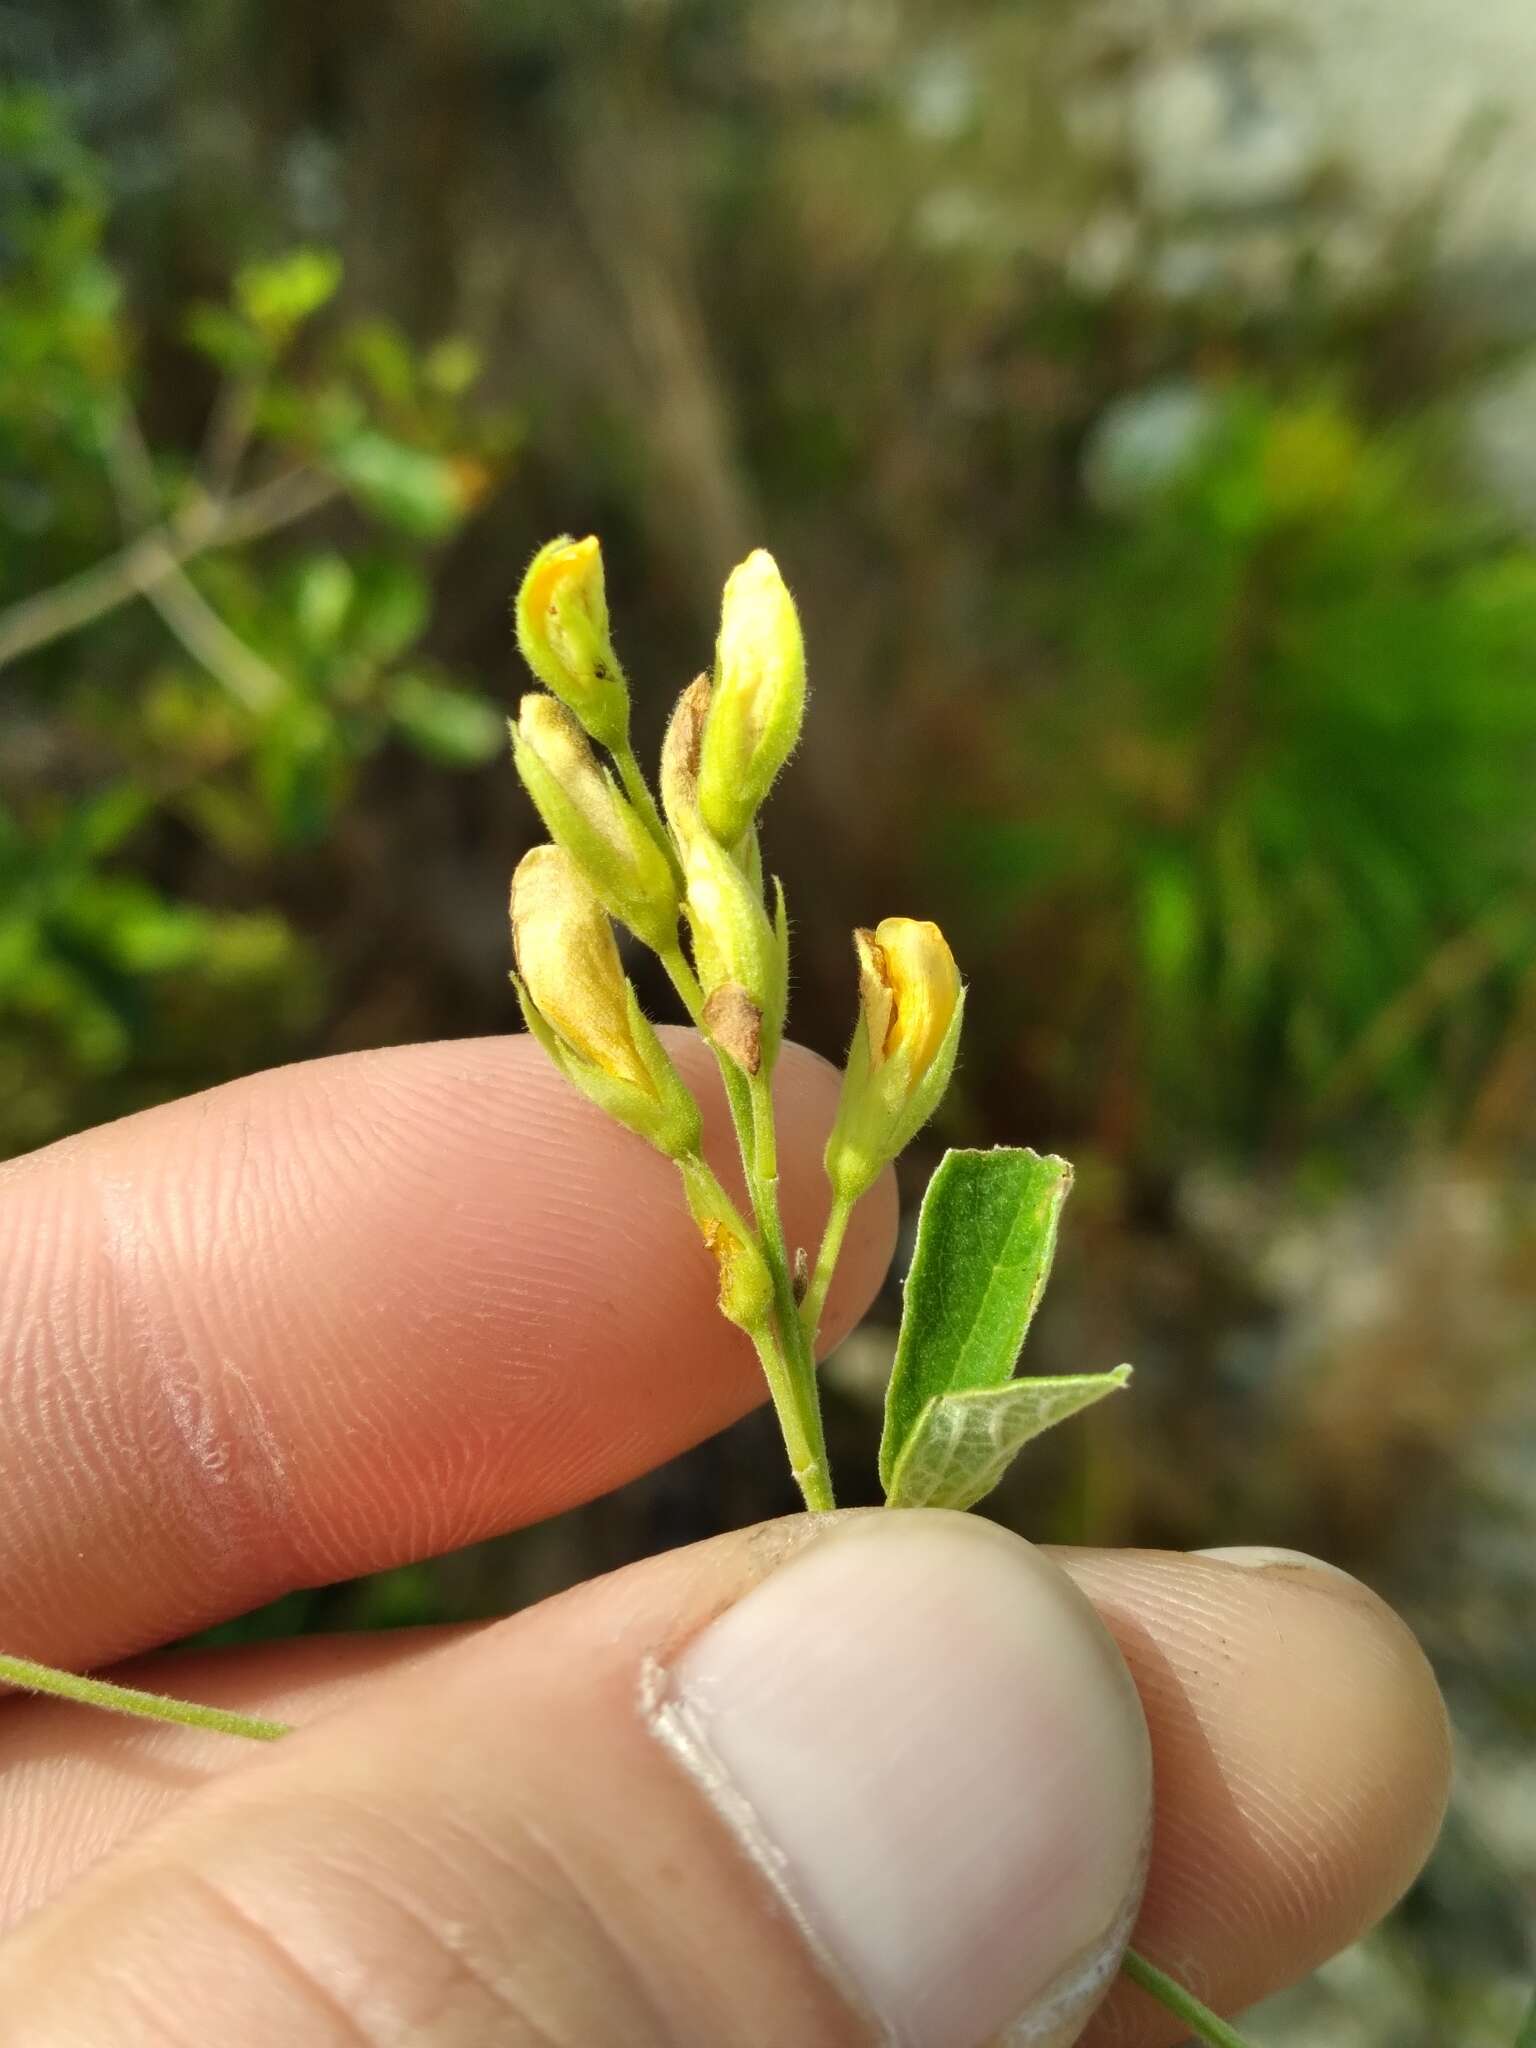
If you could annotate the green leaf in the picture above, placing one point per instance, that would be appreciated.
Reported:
(954, 1415)
(456, 727)
(962, 1444)
(227, 340)
(394, 602)
(422, 494)
(323, 592)
(279, 296)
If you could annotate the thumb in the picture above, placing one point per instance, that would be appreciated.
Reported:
(842, 1779)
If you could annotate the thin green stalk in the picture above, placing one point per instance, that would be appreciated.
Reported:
(683, 979)
(793, 1390)
(636, 789)
(127, 1699)
(799, 1422)
(1526, 2038)
(751, 1106)
(826, 1265)
(1201, 2021)
(763, 1180)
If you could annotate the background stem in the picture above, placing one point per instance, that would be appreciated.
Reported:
(127, 1699)
(1201, 2021)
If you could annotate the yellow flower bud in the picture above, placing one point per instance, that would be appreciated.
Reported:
(745, 1284)
(911, 1004)
(593, 821)
(909, 988)
(737, 952)
(562, 629)
(565, 952)
(581, 1008)
(758, 701)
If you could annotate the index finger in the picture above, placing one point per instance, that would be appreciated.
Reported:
(350, 1313)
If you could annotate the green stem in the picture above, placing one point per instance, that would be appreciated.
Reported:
(1526, 2038)
(127, 1699)
(763, 1180)
(799, 1422)
(751, 1106)
(636, 790)
(1201, 2021)
(793, 1391)
(826, 1265)
(683, 979)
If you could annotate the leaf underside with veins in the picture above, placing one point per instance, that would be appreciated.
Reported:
(962, 1444)
(954, 1415)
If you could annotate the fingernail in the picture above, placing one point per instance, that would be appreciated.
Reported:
(1263, 1557)
(927, 1740)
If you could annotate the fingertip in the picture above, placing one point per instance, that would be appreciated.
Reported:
(345, 1314)
(1302, 1767)
(1372, 1726)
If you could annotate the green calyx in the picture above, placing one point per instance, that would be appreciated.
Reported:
(883, 1107)
(587, 814)
(664, 1114)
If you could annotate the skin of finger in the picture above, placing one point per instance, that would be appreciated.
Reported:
(492, 1847)
(1302, 1770)
(1298, 1741)
(80, 1783)
(346, 1314)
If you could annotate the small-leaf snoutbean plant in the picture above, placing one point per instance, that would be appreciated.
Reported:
(685, 875)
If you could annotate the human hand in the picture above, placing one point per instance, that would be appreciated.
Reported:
(343, 1315)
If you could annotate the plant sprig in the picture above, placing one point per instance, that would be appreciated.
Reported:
(685, 876)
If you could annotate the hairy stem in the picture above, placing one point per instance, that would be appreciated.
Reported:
(826, 1265)
(127, 1699)
(684, 980)
(751, 1106)
(794, 1394)
(799, 1422)
(763, 1180)
(1202, 2023)
(636, 790)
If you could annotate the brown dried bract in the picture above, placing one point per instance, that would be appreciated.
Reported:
(735, 1023)
(680, 753)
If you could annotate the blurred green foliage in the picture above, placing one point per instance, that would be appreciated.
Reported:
(1163, 649)
(185, 675)
(1278, 786)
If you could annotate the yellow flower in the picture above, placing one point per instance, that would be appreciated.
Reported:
(740, 953)
(562, 629)
(909, 988)
(911, 1004)
(566, 956)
